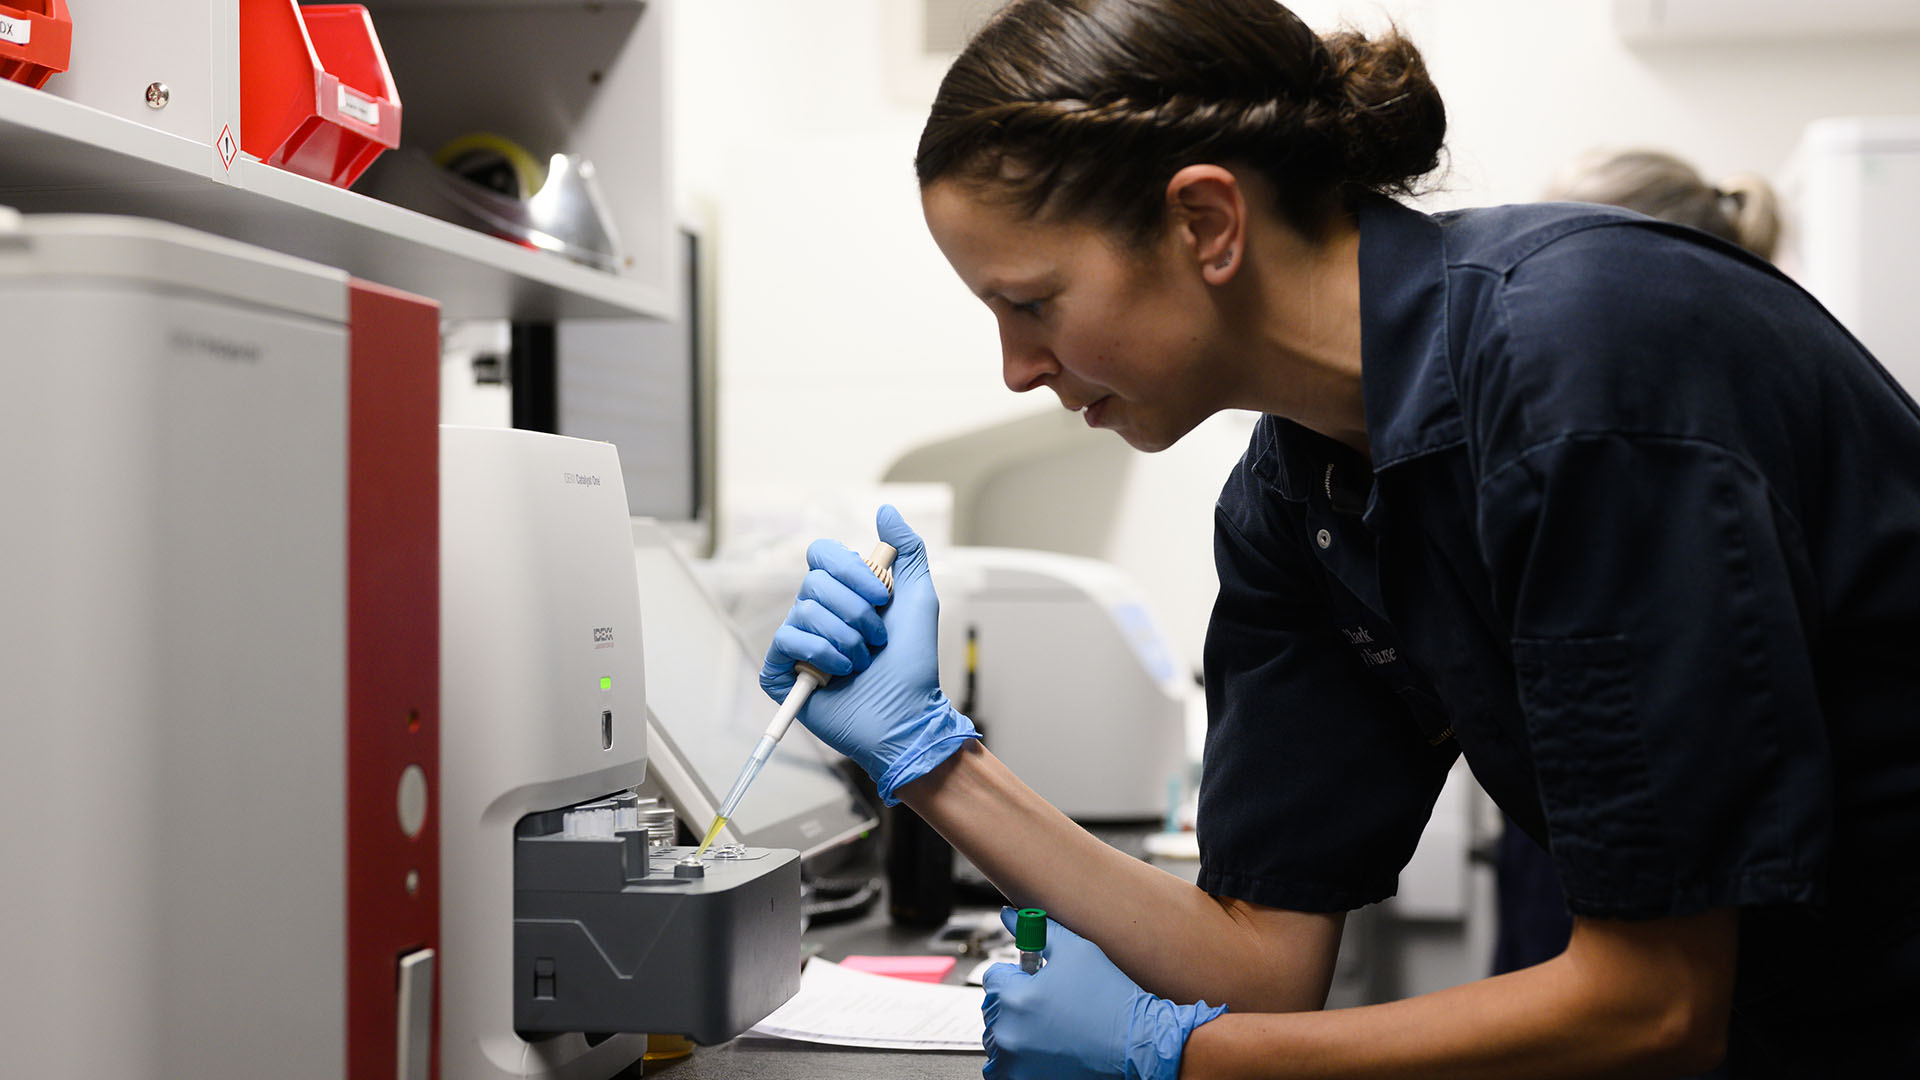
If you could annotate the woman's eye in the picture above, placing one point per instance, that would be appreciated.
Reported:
(1031, 307)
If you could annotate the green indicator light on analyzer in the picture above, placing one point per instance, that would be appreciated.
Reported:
(1030, 937)
(606, 682)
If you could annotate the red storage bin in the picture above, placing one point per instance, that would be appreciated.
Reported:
(316, 97)
(36, 40)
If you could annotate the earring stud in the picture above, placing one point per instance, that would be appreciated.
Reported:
(1225, 261)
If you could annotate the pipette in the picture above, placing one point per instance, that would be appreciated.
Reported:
(806, 679)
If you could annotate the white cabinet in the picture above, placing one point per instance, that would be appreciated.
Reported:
(579, 76)
(1656, 21)
(1857, 232)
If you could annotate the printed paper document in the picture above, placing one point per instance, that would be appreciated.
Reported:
(854, 1008)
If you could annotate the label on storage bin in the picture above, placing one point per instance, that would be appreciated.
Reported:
(18, 31)
(365, 110)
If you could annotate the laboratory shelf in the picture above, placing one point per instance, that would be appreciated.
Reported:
(377, 6)
(50, 145)
(59, 156)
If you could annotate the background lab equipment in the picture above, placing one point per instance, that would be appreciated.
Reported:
(486, 182)
(1075, 688)
(217, 642)
(1852, 192)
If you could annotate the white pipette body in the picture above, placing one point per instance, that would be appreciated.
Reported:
(806, 680)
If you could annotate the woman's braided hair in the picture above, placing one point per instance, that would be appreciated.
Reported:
(1084, 109)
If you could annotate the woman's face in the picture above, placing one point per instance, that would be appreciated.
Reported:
(1118, 336)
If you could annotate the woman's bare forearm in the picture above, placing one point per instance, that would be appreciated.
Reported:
(1625, 1000)
(1172, 938)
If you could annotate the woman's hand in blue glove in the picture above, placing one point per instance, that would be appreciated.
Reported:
(888, 714)
(1080, 1016)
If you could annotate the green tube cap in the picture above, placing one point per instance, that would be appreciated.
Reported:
(1030, 930)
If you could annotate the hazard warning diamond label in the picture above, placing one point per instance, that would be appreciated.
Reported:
(228, 149)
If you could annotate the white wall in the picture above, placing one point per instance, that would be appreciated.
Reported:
(844, 339)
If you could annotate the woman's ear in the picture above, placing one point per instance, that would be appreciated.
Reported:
(1208, 208)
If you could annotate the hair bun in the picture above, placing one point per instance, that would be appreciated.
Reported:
(1754, 213)
(1380, 111)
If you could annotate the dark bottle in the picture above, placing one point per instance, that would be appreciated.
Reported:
(919, 870)
(919, 860)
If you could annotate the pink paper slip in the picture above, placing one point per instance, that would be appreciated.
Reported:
(918, 968)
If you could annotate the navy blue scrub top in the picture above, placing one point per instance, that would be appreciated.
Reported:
(1640, 536)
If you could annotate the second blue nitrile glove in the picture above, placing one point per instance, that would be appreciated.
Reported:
(1080, 1017)
(891, 716)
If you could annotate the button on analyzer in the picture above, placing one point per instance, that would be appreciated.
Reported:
(543, 978)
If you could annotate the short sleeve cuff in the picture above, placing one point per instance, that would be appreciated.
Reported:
(1316, 897)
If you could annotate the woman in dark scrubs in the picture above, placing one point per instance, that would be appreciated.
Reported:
(1604, 504)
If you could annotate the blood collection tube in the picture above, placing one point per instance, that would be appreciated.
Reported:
(1030, 936)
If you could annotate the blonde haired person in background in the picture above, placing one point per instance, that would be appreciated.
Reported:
(1741, 209)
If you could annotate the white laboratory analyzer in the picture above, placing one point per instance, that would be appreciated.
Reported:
(321, 721)
(1070, 678)
(218, 619)
(562, 915)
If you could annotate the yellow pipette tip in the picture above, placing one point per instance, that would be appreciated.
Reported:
(718, 823)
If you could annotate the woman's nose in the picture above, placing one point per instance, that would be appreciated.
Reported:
(1024, 361)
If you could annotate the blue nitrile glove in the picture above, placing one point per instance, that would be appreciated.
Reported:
(1079, 1016)
(892, 718)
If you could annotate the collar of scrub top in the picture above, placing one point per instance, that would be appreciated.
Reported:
(1407, 383)
(1410, 407)
(1417, 271)
(1406, 373)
